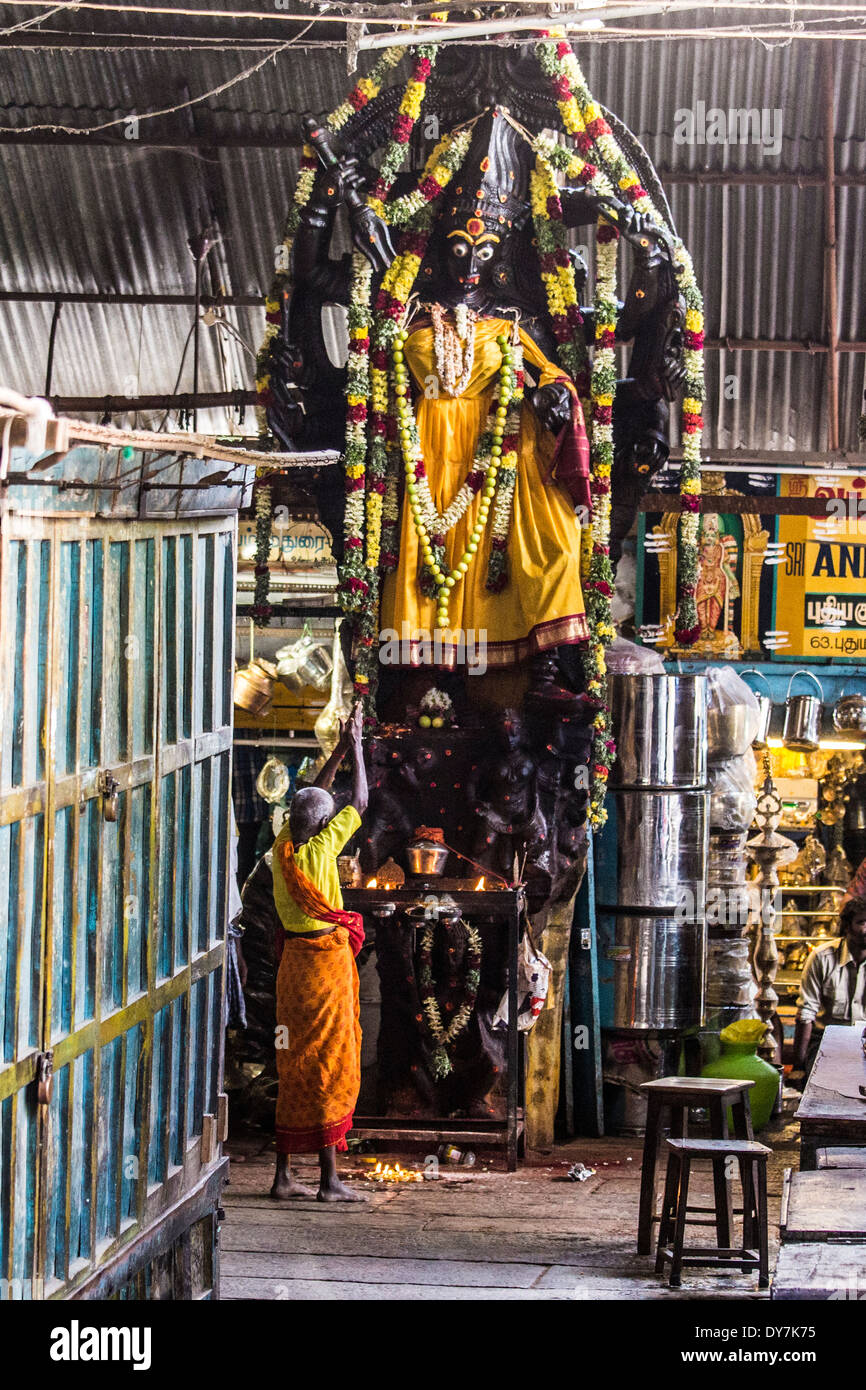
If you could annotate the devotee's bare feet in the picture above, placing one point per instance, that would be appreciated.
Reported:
(287, 1188)
(332, 1190)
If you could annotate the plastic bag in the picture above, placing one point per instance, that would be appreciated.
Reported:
(624, 585)
(732, 714)
(533, 981)
(732, 792)
(729, 973)
(745, 1030)
(627, 658)
(725, 689)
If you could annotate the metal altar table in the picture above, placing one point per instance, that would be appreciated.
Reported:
(491, 905)
(827, 1117)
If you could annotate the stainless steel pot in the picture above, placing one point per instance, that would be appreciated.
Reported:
(660, 727)
(652, 852)
(765, 709)
(426, 857)
(849, 713)
(803, 717)
(651, 972)
(729, 732)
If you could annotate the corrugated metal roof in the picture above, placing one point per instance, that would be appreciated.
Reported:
(117, 218)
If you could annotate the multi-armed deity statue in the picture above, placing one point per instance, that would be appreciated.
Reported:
(493, 460)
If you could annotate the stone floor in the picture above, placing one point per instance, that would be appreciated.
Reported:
(478, 1233)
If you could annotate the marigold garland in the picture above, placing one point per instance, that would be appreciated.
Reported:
(377, 387)
(612, 172)
(493, 474)
(371, 527)
(368, 457)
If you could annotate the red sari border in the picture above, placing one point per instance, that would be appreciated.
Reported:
(558, 632)
(307, 1141)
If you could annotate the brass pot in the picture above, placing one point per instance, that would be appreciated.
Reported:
(254, 687)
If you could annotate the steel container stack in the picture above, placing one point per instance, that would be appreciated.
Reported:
(651, 857)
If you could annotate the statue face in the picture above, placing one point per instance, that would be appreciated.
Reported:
(472, 252)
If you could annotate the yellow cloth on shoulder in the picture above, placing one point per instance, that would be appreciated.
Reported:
(318, 860)
(542, 604)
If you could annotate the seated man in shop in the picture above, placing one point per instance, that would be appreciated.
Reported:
(318, 1036)
(833, 988)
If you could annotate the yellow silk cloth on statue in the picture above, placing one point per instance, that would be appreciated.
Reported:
(542, 604)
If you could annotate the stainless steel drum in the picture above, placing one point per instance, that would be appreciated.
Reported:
(651, 972)
(652, 852)
(660, 727)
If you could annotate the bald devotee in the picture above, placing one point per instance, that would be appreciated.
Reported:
(318, 1016)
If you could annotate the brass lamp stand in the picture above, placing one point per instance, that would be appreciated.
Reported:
(769, 851)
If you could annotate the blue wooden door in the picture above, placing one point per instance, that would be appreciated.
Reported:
(115, 736)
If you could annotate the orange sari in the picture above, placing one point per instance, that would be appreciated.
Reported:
(318, 1014)
(319, 1070)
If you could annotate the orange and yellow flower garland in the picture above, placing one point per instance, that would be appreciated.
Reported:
(372, 456)
(596, 392)
(592, 135)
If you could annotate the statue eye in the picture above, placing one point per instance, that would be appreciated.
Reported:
(460, 248)
(485, 253)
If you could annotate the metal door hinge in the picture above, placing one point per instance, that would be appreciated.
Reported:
(44, 1077)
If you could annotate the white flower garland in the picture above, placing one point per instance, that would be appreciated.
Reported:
(454, 347)
(444, 1037)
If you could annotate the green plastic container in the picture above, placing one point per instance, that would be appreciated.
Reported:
(739, 1061)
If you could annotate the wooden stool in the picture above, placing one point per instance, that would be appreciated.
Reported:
(680, 1092)
(752, 1160)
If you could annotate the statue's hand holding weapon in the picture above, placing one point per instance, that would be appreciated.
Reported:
(344, 183)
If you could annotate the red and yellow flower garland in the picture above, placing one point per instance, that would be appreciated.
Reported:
(583, 120)
(371, 457)
(592, 136)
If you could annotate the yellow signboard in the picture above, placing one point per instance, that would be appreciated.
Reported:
(821, 587)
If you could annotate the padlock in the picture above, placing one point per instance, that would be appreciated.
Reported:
(44, 1077)
(110, 788)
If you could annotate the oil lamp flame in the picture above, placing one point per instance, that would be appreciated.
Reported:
(479, 885)
(371, 883)
(387, 1173)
